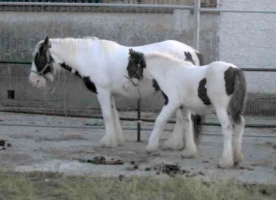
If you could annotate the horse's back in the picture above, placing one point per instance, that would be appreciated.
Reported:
(173, 47)
(218, 67)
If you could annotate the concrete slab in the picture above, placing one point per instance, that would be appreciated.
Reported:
(49, 143)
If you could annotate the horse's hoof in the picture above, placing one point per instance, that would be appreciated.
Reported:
(108, 142)
(152, 147)
(224, 164)
(120, 139)
(173, 145)
(238, 157)
(189, 153)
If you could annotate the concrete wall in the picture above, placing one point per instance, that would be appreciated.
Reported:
(248, 40)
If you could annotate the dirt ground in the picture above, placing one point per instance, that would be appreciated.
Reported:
(69, 145)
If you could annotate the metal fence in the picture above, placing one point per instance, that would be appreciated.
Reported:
(23, 24)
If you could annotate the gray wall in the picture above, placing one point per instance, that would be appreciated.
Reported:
(248, 40)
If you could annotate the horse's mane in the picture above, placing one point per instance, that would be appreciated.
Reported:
(71, 44)
(166, 57)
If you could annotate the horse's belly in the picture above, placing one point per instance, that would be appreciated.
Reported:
(197, 106)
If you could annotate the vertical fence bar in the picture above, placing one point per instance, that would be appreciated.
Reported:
(64, 95)
(197, 23)
(139, 120)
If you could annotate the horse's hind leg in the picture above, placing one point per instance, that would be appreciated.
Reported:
(227, 130)
(176, 141)
(110, 138)
(190, 147)
(159, 125)
(237, 141)
(117, 125)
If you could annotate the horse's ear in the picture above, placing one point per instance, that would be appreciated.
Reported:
(131, 51)
(47, 42)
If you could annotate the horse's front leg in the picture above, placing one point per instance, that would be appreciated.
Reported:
(159, 125)
(117, 125)
(110, 138)
(176, 141)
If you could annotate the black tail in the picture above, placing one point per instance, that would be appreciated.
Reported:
(238, 101)
(200, 58)
(197, 125)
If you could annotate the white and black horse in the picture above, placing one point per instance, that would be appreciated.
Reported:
(102, 66)
(219, 87)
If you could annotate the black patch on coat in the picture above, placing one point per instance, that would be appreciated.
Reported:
(188, 57)
(166, 98)
(155, 85)
(202, 92)
(41, 61)
(229, 77)
(136, 64)
(68, 68)
(89, 84)
(77, 74)
(64, 66)
(157, 88)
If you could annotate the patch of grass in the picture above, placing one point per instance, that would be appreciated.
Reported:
(46, 186)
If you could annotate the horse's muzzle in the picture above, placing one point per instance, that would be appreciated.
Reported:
(37, 81)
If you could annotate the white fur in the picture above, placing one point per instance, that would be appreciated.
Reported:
(179, 80)
(105, 63)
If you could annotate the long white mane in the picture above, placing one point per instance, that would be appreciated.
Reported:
(166, 59)
(72, 45)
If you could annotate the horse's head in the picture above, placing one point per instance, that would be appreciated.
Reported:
(136, 64)
(42, 65)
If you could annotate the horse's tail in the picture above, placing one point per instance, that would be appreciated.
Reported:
(200, 58)
(238, 101)
(197, 126)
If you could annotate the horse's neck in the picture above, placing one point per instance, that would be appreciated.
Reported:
(156, 67)
(159, 67)
(65, 53)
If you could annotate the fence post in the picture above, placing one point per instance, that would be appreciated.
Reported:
(139, 118)
(64, 95)
(197, 23)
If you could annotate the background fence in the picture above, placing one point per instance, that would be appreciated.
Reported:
(220, 34)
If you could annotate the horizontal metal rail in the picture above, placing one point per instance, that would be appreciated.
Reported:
(217, 10)
(15, 62)
(95, 5)
(187, 7)
(149, 120)
(259, 69)
(243, 69)
(102, 127)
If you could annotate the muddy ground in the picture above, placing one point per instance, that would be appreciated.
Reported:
(69, 145)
